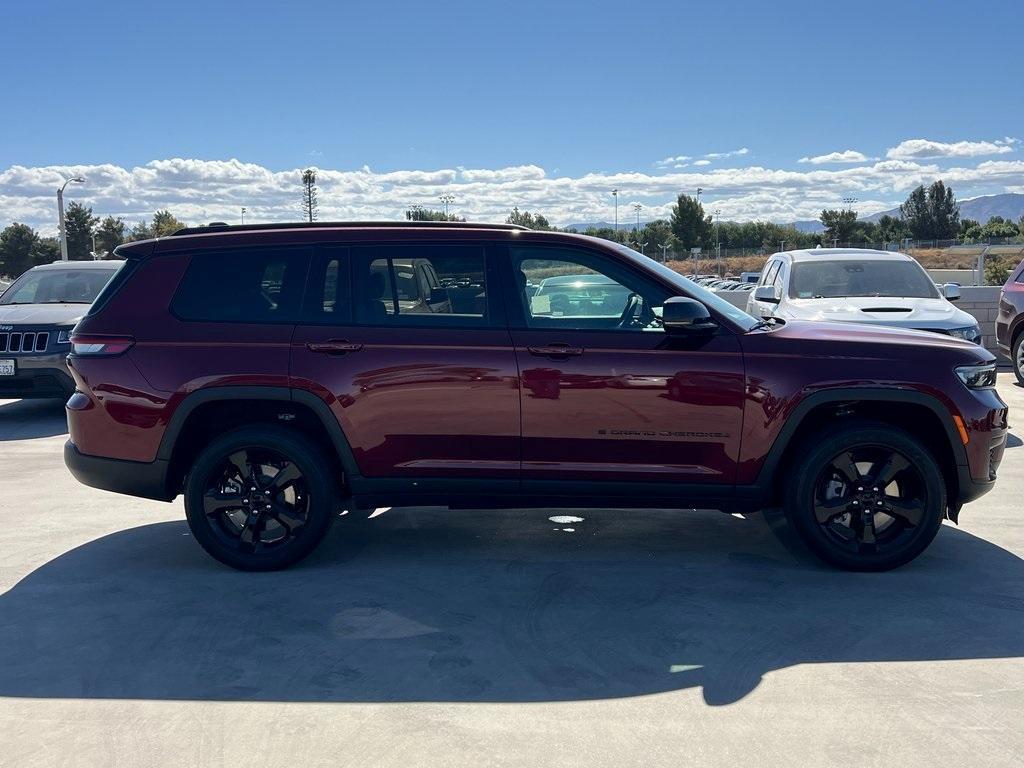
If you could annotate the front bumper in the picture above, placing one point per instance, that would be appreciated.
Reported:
(38, 376)
(133, 478)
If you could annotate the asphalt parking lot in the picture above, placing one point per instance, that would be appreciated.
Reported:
(461, 638)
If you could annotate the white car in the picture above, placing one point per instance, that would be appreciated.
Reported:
(859, 286)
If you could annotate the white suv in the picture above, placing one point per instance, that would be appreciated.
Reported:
(859, 286)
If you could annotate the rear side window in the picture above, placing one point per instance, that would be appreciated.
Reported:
(113, 285)
(429, 285)
(329, 300)
(243, 286)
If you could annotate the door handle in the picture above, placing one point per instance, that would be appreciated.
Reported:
(333, 346)
(555, 350)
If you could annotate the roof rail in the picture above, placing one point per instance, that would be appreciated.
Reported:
(218, 226)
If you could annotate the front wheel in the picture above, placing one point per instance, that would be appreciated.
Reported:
(1018, 359)
(260, 498)
(869, 498)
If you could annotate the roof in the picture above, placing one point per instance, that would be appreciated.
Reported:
(829, 254)
(219, 227)
(108, 264)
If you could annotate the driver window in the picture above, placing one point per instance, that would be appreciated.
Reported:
(567, 289)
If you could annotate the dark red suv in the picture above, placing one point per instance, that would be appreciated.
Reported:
(278, 375)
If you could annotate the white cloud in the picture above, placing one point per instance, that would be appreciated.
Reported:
(702, 162)
(679, 161)
(215, 190)
(925, 149)
(730, 153)
(846, 156)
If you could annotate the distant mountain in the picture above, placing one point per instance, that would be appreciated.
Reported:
(812, 226)
(1009, 205)
(585, 225)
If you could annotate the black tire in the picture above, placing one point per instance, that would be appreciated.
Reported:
(866, 465)
(1017, 356)
(278, 523)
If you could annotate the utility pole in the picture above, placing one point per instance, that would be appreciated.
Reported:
(60, 215)
(782, 246)
(637, 207)
(615, 194)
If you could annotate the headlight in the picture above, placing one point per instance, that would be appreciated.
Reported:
(970, 333)
(64, 337)
(978, 376)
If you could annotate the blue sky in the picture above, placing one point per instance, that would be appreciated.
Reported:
(574, 89)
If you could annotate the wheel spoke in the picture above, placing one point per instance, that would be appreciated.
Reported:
(252, 531)
(888, 469)
(215, 501)
(825, 511)
(239, 461)
(909, 510)
(864, 528)
(289, 474)
(848, 467)
(288, 518)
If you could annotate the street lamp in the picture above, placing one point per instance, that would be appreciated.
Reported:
(446, 200)
(243, 215)
(637, 207)
(615, 194)
(664, 252)
(60, 215)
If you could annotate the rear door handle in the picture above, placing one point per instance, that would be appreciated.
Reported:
(555, 350)
(333, 346)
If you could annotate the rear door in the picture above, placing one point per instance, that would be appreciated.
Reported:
(424, 385)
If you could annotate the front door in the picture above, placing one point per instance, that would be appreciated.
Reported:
(409, 346)
(607, 395)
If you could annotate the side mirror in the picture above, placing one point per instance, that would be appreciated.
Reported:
(767, 293)
(684, 316)
(951, 291)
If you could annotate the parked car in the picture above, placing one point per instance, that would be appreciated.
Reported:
(310, 388)
(37, 313)
(859, 286)
(1010, 321)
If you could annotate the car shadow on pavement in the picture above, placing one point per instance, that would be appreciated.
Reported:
(28, 419)
(482, 607)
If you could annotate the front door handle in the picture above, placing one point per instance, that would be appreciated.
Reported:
(333, 346)
(555, 350)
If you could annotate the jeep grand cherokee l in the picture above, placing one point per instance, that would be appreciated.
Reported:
(37, 313)
(274, 376)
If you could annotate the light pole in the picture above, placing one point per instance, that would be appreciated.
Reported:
(664, 252)
(641, 246)
(446, 200)
(60, 215)
(615, 194)
(637, 207)
(243, 215)
(718, 238)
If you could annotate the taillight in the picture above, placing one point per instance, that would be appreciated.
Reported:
(100, 346)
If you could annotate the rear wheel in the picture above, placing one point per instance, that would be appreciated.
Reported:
(260, 498)
(1018, 359)
(869, 498)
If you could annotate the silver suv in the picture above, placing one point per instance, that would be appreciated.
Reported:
(859, 286)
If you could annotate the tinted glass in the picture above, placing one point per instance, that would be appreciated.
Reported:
(851, 277)
(421, 285)
(568, 289)
(58, 286)
(247, 286)
(329, 299)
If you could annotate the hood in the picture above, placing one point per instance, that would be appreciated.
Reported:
(881, 310)
(874, 340)
(41, 314)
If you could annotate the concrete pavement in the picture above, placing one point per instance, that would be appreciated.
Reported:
(465, 638)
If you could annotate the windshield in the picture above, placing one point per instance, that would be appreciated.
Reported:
(689, 288)
(834, 279)
(58, 286)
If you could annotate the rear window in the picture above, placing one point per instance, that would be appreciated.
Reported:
(58, 286)
(243, 286)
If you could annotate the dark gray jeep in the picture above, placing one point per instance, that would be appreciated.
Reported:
(37, 313)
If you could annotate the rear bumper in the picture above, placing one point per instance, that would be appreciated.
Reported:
(133, 478)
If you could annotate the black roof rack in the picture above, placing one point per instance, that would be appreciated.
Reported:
(221, 227)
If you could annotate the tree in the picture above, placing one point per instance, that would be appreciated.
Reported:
(998, 227)
(419, 213)
(165, 224)
(47, 251)
(527, 219)
(839, 224)
(891, 229)
(689, 224)
(931, 214)
(310, 194)
(141, 231)
(110, 234)
(78, 227)
(18, 244)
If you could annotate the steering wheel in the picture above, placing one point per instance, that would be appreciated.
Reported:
(628, 316)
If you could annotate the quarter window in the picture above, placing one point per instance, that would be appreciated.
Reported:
(246, 286)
